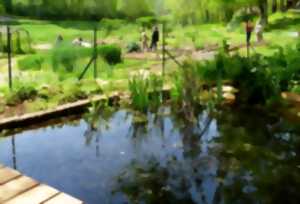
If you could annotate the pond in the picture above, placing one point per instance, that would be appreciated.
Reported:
(233, 156)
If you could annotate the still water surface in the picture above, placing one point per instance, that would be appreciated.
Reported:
(235, 156)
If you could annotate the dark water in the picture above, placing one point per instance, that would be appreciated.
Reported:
(234, 156)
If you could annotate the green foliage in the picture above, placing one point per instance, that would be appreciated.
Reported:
(66, 56)
(72, 92)
(111, 53)
(146, 92)
(156, 87)
(177, 88)
(2, 9)
(258, 79)
(133, 47)
(241, 16)
(21, 94)
(31, 62)
(186, 89)
(147, 21)
(139, 89)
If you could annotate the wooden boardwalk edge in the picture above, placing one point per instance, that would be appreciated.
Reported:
(37, 117)
(16, 188)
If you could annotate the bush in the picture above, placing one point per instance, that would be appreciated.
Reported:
(67, 56)
(254, 77)
(133, 47)
(112, 54)
(20, 95)
(72, 93)
(32, 62)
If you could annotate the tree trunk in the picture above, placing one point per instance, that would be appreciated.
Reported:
(282, 6)
(263, 7)
(8, 6)
(274, 6)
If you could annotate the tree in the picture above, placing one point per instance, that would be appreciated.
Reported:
(8, 6)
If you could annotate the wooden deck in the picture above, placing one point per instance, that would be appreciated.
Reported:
(16, 188)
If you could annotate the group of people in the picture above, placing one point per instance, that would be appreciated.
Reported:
(154, 40)
(77, 41)
(249, 28)
(258, 31)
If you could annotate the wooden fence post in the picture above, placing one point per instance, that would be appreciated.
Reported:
(9, 56)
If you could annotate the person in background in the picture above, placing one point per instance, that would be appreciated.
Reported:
(145, 40)
(155, 39)
(77, 41)
(59, 39)
(249, 29)
(259, 32)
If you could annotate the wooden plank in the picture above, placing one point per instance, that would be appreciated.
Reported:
(63, 198)
(36, 195)
(7, 174)
(16, 121)
(16, 187)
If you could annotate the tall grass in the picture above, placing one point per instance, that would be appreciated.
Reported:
(146, 92)
(139, 88)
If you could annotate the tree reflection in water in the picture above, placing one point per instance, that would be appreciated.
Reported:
(244, 160)
(97, 119)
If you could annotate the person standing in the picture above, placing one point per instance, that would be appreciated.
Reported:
(259, 32)
(59, 39)
(144, 39)
(155, 39)
(249, 29)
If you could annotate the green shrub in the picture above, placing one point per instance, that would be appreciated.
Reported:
(66, 56)
(32, 62)
(20, 95)
(254, 78)
(296, 89)
(72, 93)
(133, 47)
(111, 53)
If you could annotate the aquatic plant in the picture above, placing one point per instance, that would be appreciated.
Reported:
(156, 86)
(139, 89)
(146, 91)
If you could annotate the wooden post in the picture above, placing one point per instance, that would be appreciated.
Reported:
(9, 57)
(95, 53)
(163, 49)
(248, 49)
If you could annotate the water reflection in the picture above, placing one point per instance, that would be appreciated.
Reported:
(233, 156)
(14, 154)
